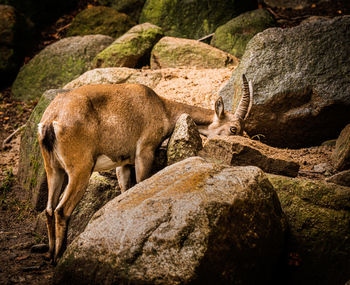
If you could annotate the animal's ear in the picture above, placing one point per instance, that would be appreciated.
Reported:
(219, 108)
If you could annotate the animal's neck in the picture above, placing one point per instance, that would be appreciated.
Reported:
(201, 116)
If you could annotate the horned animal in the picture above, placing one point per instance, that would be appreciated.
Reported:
(100, 127)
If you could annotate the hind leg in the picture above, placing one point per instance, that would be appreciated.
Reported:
(77, 184)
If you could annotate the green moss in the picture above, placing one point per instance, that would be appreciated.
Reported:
(233, 36)
(190, 19)
(130, 48)
(100, 20)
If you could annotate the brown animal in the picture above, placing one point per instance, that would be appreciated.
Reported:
(100, 127)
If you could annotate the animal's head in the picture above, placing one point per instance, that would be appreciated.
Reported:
(228, 124)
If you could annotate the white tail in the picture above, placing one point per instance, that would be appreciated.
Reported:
(99, 127)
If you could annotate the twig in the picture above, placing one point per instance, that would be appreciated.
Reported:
(206, 37)
(8, 139)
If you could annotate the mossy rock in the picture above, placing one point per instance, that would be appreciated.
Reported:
(100, 20)
(58, 64)
(177, 52)
(132, 8)
(233, 36)
(318, 243)
(132, 49)
(31, 172)
(192, 19)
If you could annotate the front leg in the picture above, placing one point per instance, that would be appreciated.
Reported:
(124, 174)
(143, 162)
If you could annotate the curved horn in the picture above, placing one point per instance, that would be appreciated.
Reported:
(246, 102)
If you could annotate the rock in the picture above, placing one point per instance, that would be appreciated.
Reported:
(185, 141)
(233, 36)
(14, 30)
(176, 52)
(293, 4)
(341, 178)
(192, 19)
(100, 20)
(318, 243)
(237, 150)
(193, 222)
(322, 168)
(341, 154)
(58, 64)
(101, 189)
(31, 173)
(300, 93)
(132, 8)
(132, 49)
(115, 75)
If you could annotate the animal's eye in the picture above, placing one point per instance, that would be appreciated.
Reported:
(233, 130)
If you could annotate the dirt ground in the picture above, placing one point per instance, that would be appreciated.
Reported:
(18, 264)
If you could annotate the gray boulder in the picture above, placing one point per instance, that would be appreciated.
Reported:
(318, 242)
(192, 19)
(31, 172)
(341, 154)
(100, 20)
(193, 222)
(233, 36)
(301, 84)
(185, 141)
(131, 49)
(237, 150)
(116, 75)
(58, 64)
(177, 52)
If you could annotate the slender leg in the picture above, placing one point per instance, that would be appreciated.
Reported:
(143, 163)
(124, 174)
(78, 181)
(55, 178)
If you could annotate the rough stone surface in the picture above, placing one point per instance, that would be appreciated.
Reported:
(31, 173)
(233, 36)
(341, 154)
(132, 8)
(193, 222)
(132, 49)
(100, 20)
(185, 141)
(192, 19)
(115, 75)
(100, 190)
(237, 150)
(58, 64)
(301, 86)
(14, 32)
(341, 178)
(177, 52)
(318, 242)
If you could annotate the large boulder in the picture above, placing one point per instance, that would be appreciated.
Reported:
(57, 65)
(301, 91)
(14, 30)
(132, 8)
(341, 153)
(318, 242)
(177, 52)
(31, 172)
(193, 222)
(100, 20)
(132, 49)
(238, 150)
(185, 140)
(192, 19)
(115, 75)
(233, 36)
